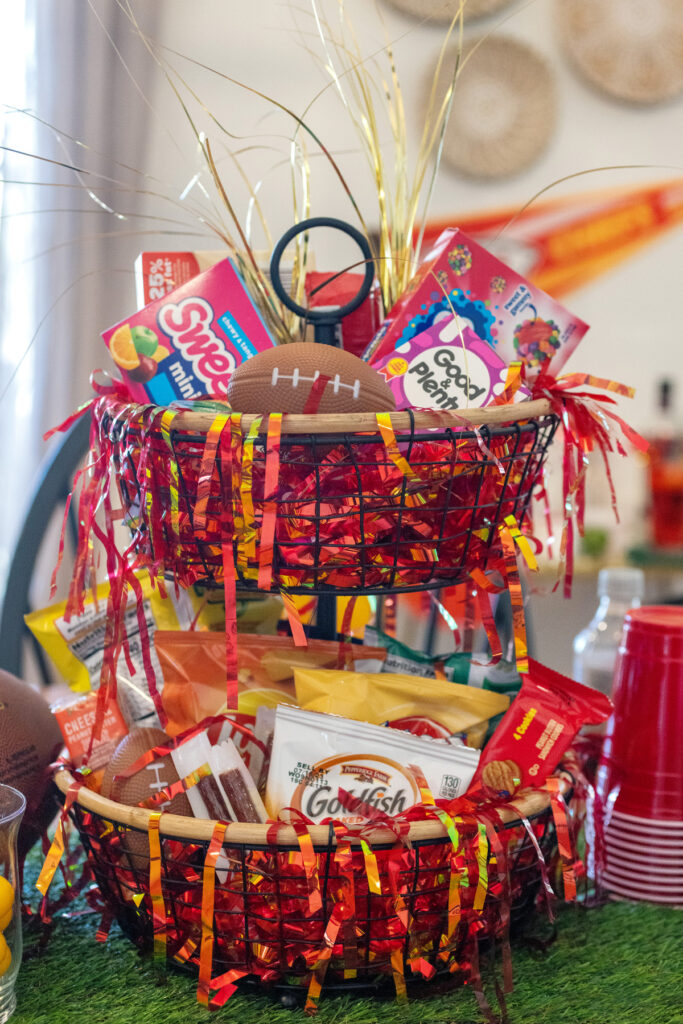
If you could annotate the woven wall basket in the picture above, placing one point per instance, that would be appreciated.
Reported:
(446, 10)
(630, 49)
(504, 107)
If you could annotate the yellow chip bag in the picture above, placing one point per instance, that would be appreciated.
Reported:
(76, 647)
(203, 608)
(418, 705)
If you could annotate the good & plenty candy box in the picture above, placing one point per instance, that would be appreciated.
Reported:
(460, 278)
(187, 343)
(443, 368)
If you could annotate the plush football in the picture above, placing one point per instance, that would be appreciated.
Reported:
(281, 378)
(148, 781)
(155, 776)
(30, 741)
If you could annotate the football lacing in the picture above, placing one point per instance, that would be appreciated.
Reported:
(335, 382)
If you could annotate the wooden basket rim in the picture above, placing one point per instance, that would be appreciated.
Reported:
(200, 421)
(250, 834)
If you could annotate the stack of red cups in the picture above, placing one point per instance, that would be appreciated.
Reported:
(642, 761)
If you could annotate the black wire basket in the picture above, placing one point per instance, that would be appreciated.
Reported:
(261, 919)
(349, 510)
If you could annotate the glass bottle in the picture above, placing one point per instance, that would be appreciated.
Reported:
(665, 462)
(596, 646)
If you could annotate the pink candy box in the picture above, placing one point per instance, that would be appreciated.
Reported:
(459, 276)
(188, 343)
(444, 368)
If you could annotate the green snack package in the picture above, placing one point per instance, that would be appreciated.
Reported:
(457, 667)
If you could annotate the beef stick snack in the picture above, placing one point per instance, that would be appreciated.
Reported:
(539, 726)
(225, 790)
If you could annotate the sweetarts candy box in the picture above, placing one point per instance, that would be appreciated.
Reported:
(459, 277)
(444, 367)
(187, 343)
(158, 273)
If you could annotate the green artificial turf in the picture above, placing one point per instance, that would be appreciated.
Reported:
(615, 964)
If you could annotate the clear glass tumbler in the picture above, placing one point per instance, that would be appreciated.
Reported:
(12, 806)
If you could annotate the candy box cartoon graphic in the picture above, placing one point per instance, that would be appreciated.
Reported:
(459, 278)
(187, 343)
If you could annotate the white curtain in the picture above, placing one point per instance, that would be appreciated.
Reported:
(78, 75)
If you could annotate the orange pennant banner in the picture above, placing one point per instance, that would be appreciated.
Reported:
(561, 244)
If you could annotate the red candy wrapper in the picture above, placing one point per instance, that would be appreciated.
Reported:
(537, 729)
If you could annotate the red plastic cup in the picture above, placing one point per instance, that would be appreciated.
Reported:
(619, 838)
(671, 827)
(633, 881)
(645, 848)
(642, 752)
(657, 833)
(645, 893)
(651, 863)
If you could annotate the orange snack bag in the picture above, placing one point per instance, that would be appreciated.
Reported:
(193, 667)
(76, 720)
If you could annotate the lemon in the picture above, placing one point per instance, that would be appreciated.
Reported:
(5, 956)
(6, 902)
(122, 349)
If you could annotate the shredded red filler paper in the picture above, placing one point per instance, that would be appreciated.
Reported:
(385, 510)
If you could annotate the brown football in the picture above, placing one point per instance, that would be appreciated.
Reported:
(280, 380)
(155, 776)
(151, 779)
(30, 741)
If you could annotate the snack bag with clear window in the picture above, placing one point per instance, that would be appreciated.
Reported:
(76, 646)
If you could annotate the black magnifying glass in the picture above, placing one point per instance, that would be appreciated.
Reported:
(326, 322)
